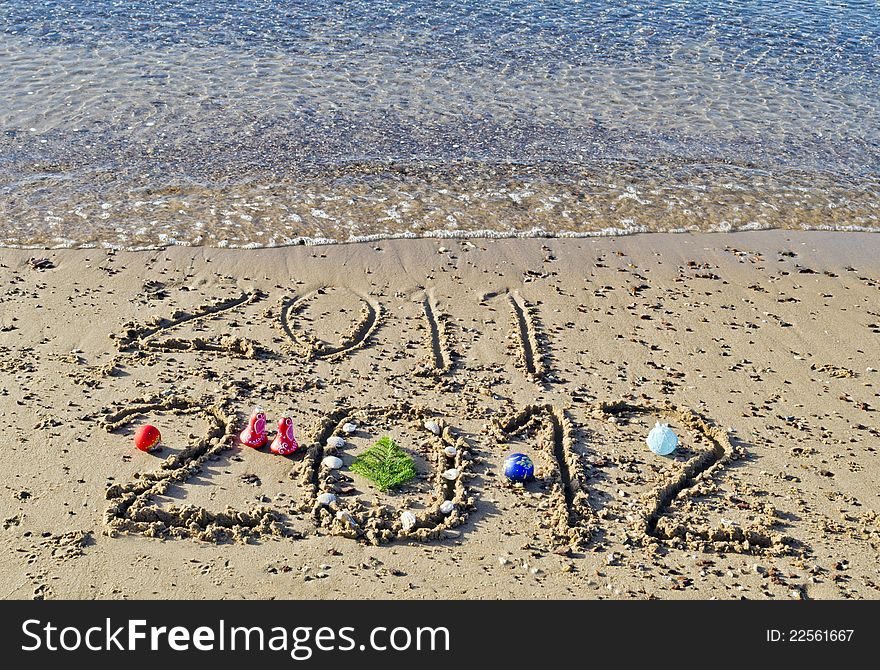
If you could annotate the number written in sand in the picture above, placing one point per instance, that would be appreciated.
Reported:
(438, 340)
(292, 321)
(334, 502)
(132, 508)
(527, 338)
(569, 516)
(152, 335)
(654, 525)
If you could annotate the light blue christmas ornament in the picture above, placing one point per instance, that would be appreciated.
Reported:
(662, 440)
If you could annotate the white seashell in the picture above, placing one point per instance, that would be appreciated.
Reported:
(326, 498)
(451, 474)
(407, 520)
(450, 451)
(349, 428)
(335, 441)
(447, 506)
(433, 426)
(332, 462)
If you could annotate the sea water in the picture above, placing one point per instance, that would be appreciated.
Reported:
(255, 123)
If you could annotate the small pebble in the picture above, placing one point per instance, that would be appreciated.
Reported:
(451, 474)
(349, 428)
(447, 506)
(433, 426)
(335, 441)
(332, 462)
(326, 498)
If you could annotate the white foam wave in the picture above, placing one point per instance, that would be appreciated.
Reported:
(532, 233)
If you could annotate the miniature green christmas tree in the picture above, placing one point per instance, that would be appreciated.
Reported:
(386, 464)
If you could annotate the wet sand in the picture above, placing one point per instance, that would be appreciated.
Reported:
(759, 349)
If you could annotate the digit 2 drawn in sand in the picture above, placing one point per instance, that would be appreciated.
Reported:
(379, 524)
(311, 347)
(141, 337)
(653, 527)
(571, 518)
(438, 339)
(132, 508)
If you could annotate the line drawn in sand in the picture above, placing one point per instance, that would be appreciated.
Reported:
(144, 337)
(132, 508)
(532, 358)
(311, 347)
(378, 524)
(571, 518)
(438, 339)
(653, 526)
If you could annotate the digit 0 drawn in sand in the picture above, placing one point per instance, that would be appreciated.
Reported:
(142, 337)
(570, 516)
(378, 523)
(132, 508)
(653, 526)
(438, 339)
(311, 347)
(531, 359)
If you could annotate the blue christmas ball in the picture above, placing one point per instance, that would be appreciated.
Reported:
(661, 439)
(519, 468)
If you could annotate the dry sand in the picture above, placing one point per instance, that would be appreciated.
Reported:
(760, 350)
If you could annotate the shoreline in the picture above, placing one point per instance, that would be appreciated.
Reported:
(761, 338)
(476, 235)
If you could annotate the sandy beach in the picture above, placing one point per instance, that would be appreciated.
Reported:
(759, 349)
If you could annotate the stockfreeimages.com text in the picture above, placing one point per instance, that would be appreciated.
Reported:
(300, 642)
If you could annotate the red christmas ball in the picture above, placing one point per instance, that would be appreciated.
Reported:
(147, 437)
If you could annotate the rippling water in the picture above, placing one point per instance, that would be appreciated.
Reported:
(261, 123)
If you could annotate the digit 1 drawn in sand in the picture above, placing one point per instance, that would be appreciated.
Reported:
(311, 347)
(438, 340)
(653, 527)
(141, 337)
(525, 329)
(132, 509)
(379, 524)
(571, 517)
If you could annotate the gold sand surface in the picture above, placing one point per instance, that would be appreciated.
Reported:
(760, 349)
